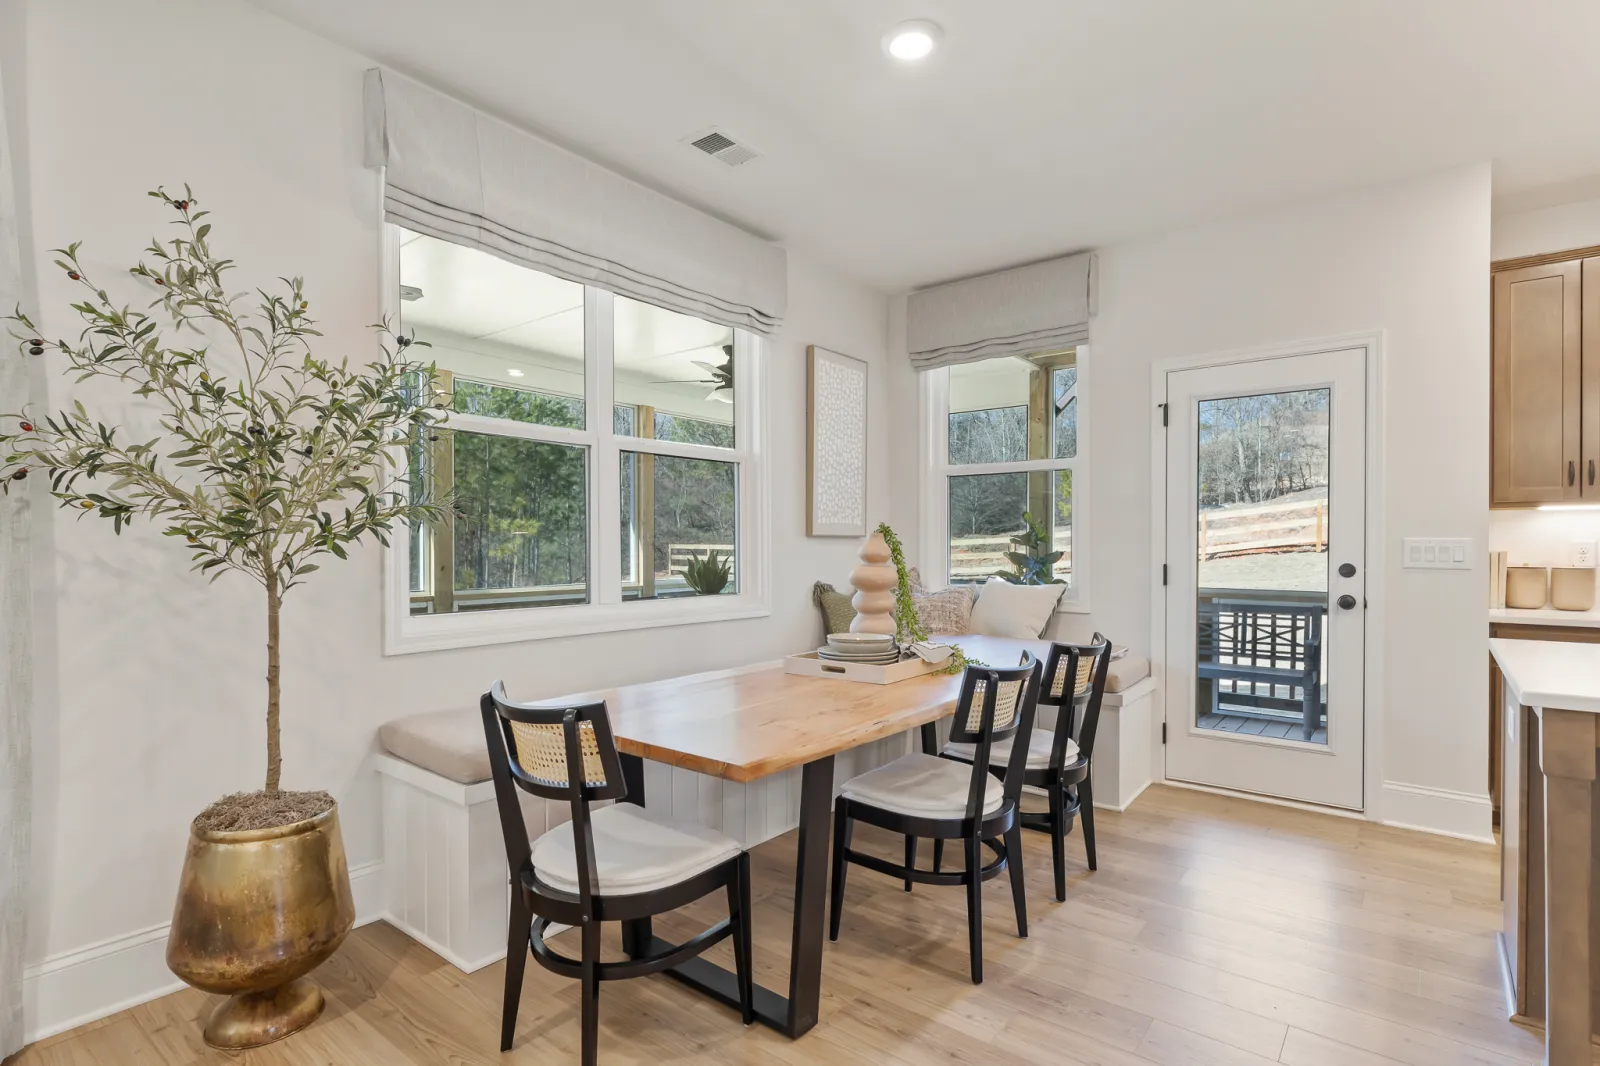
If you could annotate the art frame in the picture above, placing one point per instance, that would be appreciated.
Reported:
(836, 444)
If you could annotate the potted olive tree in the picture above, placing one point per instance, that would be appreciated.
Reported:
(268, 459)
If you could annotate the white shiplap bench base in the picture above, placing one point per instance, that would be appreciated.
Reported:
(446, 884)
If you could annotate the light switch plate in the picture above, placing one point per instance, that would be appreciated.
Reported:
(1580, 553)
(1436, 553)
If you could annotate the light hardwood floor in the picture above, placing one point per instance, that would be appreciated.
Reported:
(1216, 933)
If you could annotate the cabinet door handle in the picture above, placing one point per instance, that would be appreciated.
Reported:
(1591, 471)
(1572, 473)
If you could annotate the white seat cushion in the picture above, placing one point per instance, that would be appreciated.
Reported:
(633, 852)
(923, 786)
(1000, 753)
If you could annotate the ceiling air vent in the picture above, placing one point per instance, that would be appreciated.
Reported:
(719, 145)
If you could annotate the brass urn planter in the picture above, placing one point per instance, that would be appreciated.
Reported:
(257, 910)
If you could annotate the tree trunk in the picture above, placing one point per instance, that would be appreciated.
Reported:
(274, 602)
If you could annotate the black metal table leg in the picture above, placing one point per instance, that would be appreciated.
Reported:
(810, 896)
(930, 738)
(636, 935)
(795, 1014)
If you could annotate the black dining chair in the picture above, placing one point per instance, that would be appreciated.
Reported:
(1059, 758)
(922, 795)
(614, 863)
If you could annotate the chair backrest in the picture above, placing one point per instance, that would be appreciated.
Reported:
(995, 703)
(1078, 703)
(556, 751)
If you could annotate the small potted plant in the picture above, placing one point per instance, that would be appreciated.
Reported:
(708, 576)
(1034, 563)
(267, 460)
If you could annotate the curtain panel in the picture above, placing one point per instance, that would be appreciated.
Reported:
(16, 648)
(455, 173)
(1023, 311)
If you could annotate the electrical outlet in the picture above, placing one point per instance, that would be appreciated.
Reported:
(1580, 553)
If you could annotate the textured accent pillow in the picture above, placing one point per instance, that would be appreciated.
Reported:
(837, 614)
(1018, 611)
(946, 611)
(914, 579)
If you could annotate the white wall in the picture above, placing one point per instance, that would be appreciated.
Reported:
(1409, 260)
(1546, 229)
(150, 681)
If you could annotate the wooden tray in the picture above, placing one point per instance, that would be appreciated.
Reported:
(811, 665)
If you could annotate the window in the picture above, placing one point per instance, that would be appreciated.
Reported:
(565, 521)
(1006, 453)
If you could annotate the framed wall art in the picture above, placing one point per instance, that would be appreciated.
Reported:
(836, 444)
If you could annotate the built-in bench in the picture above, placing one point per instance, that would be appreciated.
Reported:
(445, 878)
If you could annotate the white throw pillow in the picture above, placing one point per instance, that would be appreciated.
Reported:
(1020, 611)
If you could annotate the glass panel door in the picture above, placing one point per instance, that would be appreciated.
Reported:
(1261, 596)
(1264, 603)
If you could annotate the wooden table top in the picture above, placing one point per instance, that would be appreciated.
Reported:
(751, 721)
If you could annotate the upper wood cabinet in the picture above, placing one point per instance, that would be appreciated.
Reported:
(1545, 405)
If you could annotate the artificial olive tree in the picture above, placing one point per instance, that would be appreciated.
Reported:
(268, 457)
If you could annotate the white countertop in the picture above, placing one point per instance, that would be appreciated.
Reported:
(1546, 616)
(1550, 673)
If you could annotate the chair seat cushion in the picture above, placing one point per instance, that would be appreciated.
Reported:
(922, 786)
(449, 743)
(633, 852)
(1000, 753)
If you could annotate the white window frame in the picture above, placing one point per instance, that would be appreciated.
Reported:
(405, 633)
(934, 434)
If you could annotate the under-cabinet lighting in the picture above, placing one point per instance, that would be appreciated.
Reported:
(1569, 507)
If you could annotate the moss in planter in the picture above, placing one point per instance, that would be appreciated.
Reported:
(242, 811)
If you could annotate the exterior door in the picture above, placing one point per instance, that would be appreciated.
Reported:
(1266, 575)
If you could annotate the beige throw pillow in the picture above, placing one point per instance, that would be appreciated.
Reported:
(946, 611)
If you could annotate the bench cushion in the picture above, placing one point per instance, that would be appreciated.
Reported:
(449, 743)
(1126, 672)
(633, 852)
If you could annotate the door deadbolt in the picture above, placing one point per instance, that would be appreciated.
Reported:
(1347, 569)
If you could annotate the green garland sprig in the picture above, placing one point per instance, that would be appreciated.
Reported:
(907, 624)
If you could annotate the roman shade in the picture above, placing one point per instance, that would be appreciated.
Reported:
(1023, 311)
(455, 173)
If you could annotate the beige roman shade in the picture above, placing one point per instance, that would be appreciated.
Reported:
(1029, 309)
(455, 173)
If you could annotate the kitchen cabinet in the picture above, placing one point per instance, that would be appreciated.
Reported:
(1545, 397)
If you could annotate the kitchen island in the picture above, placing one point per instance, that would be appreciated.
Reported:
(1550, 698)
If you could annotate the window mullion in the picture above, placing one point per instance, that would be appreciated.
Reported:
(605, 482)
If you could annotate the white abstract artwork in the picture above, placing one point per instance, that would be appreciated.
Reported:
(836, 490)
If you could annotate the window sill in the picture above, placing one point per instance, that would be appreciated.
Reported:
(424, 633)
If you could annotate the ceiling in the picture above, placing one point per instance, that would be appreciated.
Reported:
(1039, 127)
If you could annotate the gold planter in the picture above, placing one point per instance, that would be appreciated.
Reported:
(258, 910)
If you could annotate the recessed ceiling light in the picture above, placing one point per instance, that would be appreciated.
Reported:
(513, 372)
(911, 41)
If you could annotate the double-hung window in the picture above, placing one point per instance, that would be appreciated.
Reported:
(600, 454)
(1005, 450)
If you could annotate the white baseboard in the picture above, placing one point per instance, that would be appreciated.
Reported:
(1441, 811)
(73, 988)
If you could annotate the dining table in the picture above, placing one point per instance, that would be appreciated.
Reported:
(748, 722)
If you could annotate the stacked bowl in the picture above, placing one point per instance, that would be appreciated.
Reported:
(873, 649)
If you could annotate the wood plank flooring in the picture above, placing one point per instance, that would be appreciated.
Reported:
(1217, 932)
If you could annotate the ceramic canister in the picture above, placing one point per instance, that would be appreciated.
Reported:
(1572, 588)
(1526, 586)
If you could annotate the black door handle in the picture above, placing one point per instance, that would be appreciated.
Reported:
(1591, 471)
(1572, 472)
(1347, 602)
(1347, 569)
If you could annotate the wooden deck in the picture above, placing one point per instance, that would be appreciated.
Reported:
(1263, 727)
(1216, 932)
